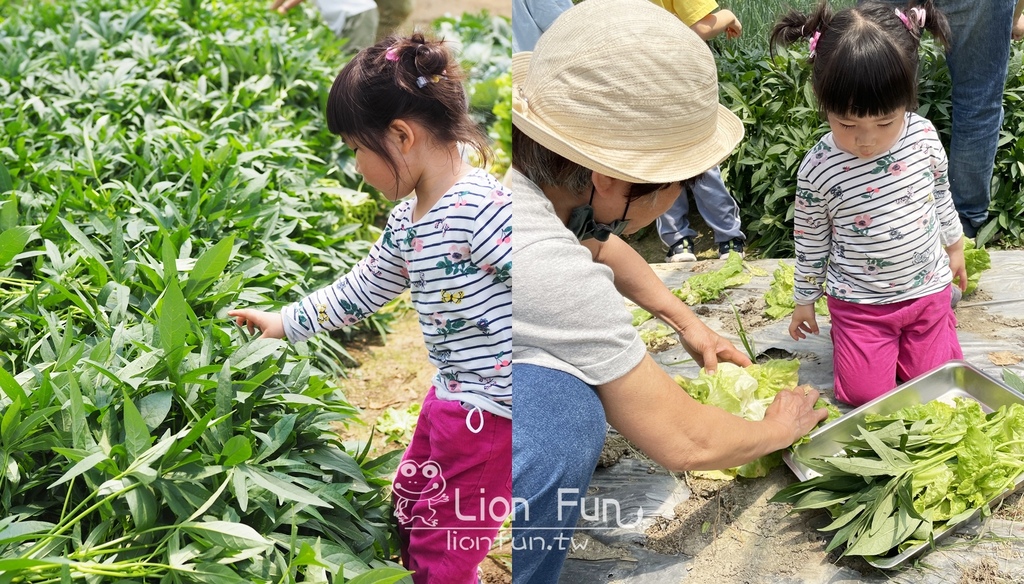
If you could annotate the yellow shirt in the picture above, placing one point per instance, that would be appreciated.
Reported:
(689, 11)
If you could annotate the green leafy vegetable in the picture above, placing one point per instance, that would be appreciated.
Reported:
(977, 260)
(779, 296)
(907, 476)
(641, 316)
(399, 425)
(747, 392)
(710, 285)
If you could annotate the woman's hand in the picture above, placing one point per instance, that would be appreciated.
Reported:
(793, 411)
(708, 347)
(270, 324)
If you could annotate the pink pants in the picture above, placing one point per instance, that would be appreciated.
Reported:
(452, 491)
(874, 344)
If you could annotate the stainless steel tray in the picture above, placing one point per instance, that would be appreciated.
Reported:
(944, 383)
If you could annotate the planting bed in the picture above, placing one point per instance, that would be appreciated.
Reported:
(702, 531)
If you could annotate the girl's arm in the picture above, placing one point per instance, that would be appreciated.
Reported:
(372, 283)
(812, 236)
(491, 243)
(950, 229)
(716, 23)
(376, 280)
(635, 280)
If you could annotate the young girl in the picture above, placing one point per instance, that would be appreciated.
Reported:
(874, 218)
(400, 106)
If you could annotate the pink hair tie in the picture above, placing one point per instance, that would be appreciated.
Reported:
(813, 44)
(918, 13)
(392, 54)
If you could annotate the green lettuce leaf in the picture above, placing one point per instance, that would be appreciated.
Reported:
(779, 297)
(977, 260)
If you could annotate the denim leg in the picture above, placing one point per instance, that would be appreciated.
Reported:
(977, 60)
(717, 207)
(674, 224)
(558, 430)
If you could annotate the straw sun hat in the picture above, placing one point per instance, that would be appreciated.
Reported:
(622, 87)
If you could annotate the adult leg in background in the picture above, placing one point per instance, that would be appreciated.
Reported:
(977, 59)
(673, 225)
(558, 430)
(717, 207)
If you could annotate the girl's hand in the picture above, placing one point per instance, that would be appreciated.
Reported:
(1018, 28)
(733, 27)
(803, 323)
(270, 324)
(957, 264)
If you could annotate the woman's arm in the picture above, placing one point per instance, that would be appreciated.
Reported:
(653, 412)
(635, 280)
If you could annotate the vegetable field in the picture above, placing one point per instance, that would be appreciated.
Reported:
(161, 162)
(699, 529)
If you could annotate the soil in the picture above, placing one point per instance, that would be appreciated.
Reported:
(425, 11)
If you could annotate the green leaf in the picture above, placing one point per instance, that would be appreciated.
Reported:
(884, 537)
(23, 530)
(283, 490)
(86, 243)
(227, 534)
(279, 433)
(84, 465)
(8, 213)
(143, 507)
(154, 408)
(894, 458)
(380, 576)
(868, 467)
(173, 324)
(209, 267)
(236, 451)
(11, 387)
(820, 500)
(197, 168)
(6, 184)
(136, 434)
(256, 351)
(13, 242)
(1013, 380)
(843, 519)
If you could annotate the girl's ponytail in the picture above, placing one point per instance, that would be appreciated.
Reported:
(935, 22)
(795, 26)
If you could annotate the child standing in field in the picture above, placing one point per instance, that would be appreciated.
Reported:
(716, 206)
(874, 217)
(400, 106)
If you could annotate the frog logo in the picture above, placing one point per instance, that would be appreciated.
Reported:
(417, 482)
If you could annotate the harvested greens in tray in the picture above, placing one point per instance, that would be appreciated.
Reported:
(906, 477)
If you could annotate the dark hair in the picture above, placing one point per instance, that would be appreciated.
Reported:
(546, 168)
(407, 78)
(865, 59)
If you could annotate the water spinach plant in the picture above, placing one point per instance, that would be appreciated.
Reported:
(910, 475)
(161, 162)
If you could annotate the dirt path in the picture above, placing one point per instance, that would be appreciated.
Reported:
(425, 11)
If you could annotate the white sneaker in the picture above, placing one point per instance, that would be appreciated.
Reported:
(682, 251)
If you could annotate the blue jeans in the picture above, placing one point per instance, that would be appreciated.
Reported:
(558, 430)
(977, 59)
(716, 206)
